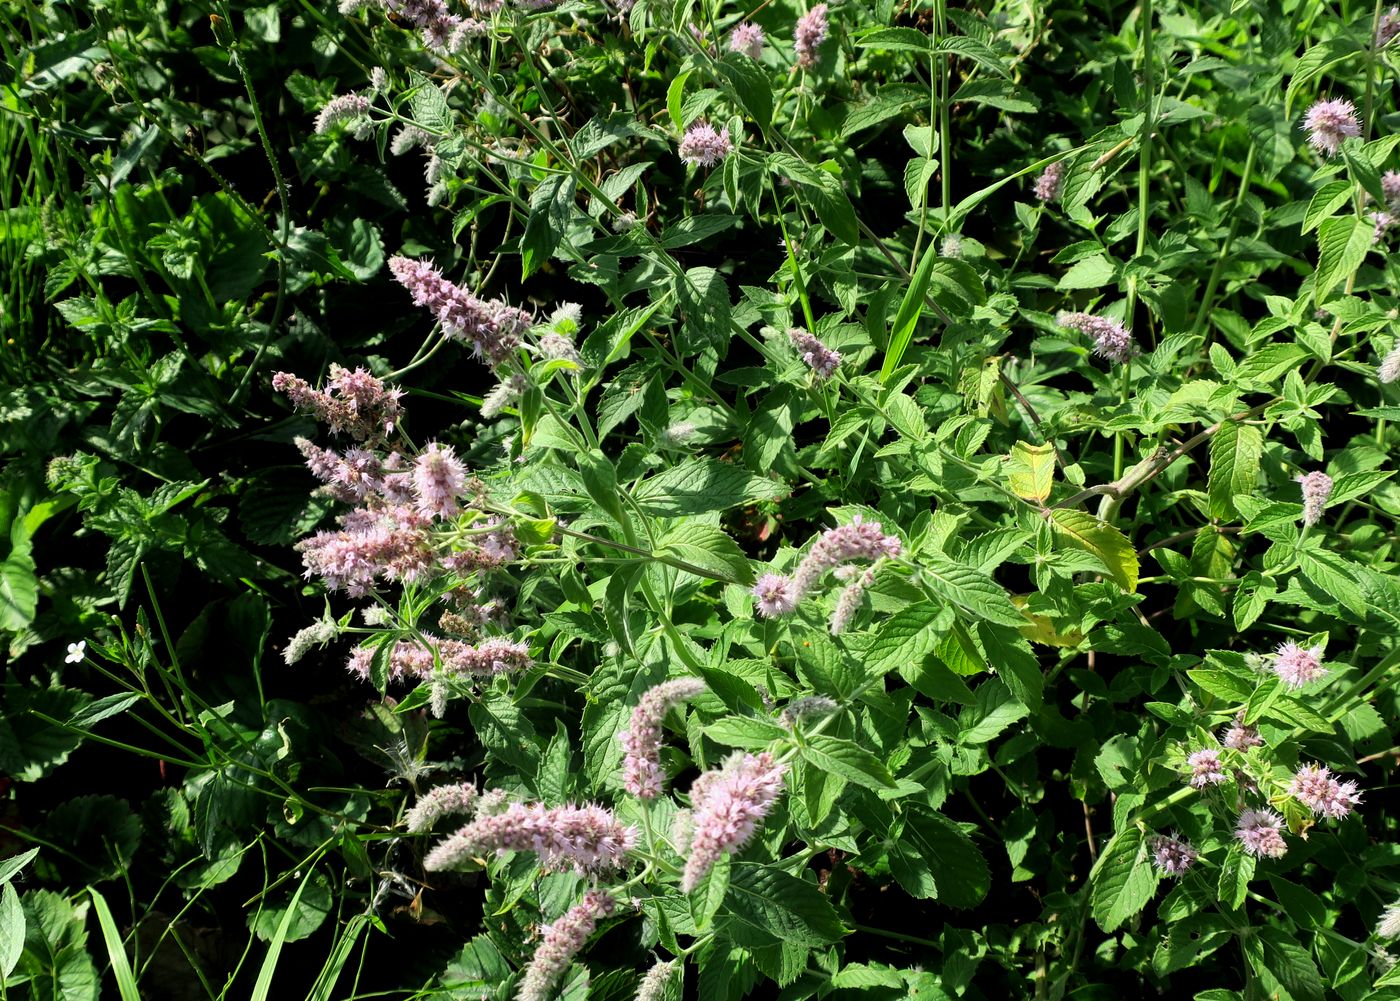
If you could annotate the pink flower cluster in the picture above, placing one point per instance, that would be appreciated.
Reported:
(1317, 488)
(412, 659)
(1297, 666)
(728, 804)
(439, 478)
(776, 595)
(492, 327)
(1049, 184)
(1205, 768)
(1389, 369)
(809, 34)
(1329, 123)
(353, 403)
(1261, 833)
(587, 838)
(704, 146)
(1315, 788)
(822, 360)
(563, 940)
(641, 741)
(439, 27)
(1112, 340)
(1172, 855)
(747, 38)
(390, 544)
(848, 603)
(1237, 736)
(352, 108)
(439, 802)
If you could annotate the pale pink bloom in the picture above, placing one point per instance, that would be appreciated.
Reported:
(1112, 340)
(1237, 736)
(1315, 788)
(353, 402)
(860, 540)
(1317, 487)
(641, 741)
(1389, 924)
(848, 603)
(350, 477)
(728, 804)
(748, 39)
(587, 838)
(493, 328)
(704, 146)
(773, 596)
(1382, 222)
(1049, 184)
(431, 17)
(653, 985)
(1388, 27)
(1297, 666)
(390, 544)
(439, 802)
(1172, 855)
(352, 109)
(562, 941)
(556, 346)
(409, 137)
(1329, 123)
(809, 34)
(1390, 187)
(1205, 768)
(822, 360)
(488, 658)
(439, 478)
(489, 550)
(1389, 369)
(1261, 833)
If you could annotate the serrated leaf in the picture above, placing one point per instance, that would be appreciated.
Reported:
(848, 760)
(932, 859)
(1030, 471)
(1123, 880)
(1234, 466)
(768, 904)
(1235, 874)
(971, 591)
(700, 485)
(1105, 543)
(1342, 244)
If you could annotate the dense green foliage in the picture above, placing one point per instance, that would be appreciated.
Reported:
(1103, 310)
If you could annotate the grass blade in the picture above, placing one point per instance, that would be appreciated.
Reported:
(116, 951)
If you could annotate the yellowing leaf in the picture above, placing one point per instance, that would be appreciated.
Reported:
(1100, 540)
(1030, 471)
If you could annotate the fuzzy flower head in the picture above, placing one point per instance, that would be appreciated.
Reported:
(1172, 855)
(728, 804)
(1112, 340)
(1388, 27)
(349, 109)
(1050, 183)
(773, 596)
(1261, 833)
(704, 146)
(1205, 768)
(822, 360)
(588, 839)
(809, 34)
(1382, 222)
(439, 478)
(748, 39)
(1238, 737)
(1328, 123)
(1389, 369)
(849, 601)
(837, 546)
(1389, 924)
(1317, 487)
(1315, 788)
(653, 985)
(442, 801)
(492, 328)
(562, 941)
(1390, 187)
(352, 402)
(641, 741)
(1296, 665)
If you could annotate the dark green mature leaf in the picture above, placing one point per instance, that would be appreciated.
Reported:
(974, 593)
(1123, 879)
(848, 760)
(934, 860)
(1285, 969)
(1234, 466)
(1342, 244)
(903, 640)
(700, 485)
(767, 904)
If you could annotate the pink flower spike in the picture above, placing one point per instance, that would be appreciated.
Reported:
(1315, 788)
(1050, 183)
(773, 596)
(748, 39)
(588, 839)
(439, 802)
(641, 741)
(1172, 855)
(1112, 340)
(809, 34)
(1317, 488)
(438, 480)
(728, 804)
(1329, 123)
(562, 941)
(1205, 768)
(822, 360)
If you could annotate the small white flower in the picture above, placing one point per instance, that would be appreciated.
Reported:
(76, 652)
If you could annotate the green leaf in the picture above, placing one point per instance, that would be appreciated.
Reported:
(708, 548)
(1105, 543)
(19, 591)
(848, 760)
(932, 859)
(700, 485)
(1333, 577)
(767, 904)
(116, 951)
(11, 930)
(12, 865)
(1235, 874)
(1326, 200)
(751, 84)
(705, 901)
(1015, 663)
(971, 591)
(429, 107)
(1234, 466)
(1285, 969)
(1342, 244)
(904, 640)
(551, 205)
(1123, 880)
